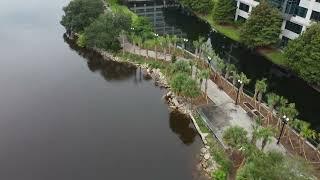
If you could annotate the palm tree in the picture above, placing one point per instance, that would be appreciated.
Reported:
(156, 43)
(259, 86)
(262, 89)
(272, 100)
(205, 74)
(122, 35)
(139, 42)
(147, 44)
(211, 54)
(255, 133)
(162, 43)
(134, 41)
(197, 44)
(266, 134)
(229, 69)
(305, 133)
(174, 40)
(235, 76)
(169, 43)
(191, 63)
(220, 66)
(204, 49)
(290, 111)
(245, 81)
(235, 137)
(190, 90)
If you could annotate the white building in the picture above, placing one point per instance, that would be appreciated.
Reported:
(297, 15)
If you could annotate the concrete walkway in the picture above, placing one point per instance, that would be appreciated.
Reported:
(227, 115)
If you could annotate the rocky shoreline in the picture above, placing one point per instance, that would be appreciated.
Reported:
(206, 163)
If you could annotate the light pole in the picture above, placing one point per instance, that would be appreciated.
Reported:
(209, 61)
(185, 41)
(285, 121)
(240, 82)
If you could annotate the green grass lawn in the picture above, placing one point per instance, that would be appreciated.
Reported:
(233, 32)
(276, 56)
(229, 31)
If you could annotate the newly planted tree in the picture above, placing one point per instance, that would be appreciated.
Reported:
(272, 100)
(205, 74)
(262, 89)
(220, 66)
(156, 44)
(305, 133)
(265, 134)
(174, 40)
(229, 69)
(235, 137)
(243, 78)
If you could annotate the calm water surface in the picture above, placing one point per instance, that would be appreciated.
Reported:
(67, 114)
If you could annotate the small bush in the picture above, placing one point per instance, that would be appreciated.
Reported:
(219, 175)
(173, 58)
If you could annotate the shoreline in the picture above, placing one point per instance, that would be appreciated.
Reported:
(206, 165)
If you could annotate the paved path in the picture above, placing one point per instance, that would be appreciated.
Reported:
(232, 115)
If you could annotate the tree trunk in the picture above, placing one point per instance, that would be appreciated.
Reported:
(147, 50)
(155, 50)
(264, 143)
(123, 45)
(226, 76)
(206, 88)
(255, 97)
(259, 99)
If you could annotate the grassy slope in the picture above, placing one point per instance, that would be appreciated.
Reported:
(233, 33)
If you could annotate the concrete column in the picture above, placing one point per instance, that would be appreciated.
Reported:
(237, 11)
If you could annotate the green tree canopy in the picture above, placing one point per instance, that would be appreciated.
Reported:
(235, 137)
(274, 166)
(200, 6)
(224, 11)
(262, 27)
(304, 56)
(142, 27)
(104, 32)
(184, 85)
(81, 13)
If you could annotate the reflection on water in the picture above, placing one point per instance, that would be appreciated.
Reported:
(252, 64)
(110, 70)
(181, 125)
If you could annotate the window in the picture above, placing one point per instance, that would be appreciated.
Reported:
(241, 19)
(296, 28)
(284, 41)
(291, 6)
(301, 11)
(244, 7)
(315, 16)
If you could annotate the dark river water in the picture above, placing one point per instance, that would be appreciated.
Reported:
(174, 20)
(67, 114)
